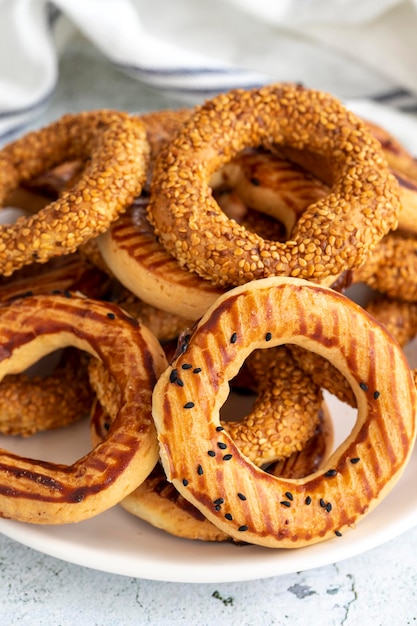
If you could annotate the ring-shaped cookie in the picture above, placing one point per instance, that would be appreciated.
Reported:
(115, 149)
(39, 491)
(334, 233)
(205, 465)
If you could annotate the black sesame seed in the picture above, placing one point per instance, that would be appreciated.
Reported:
(219, 428)
(285, 503)
(242, 528)
(355, 460)
(233, 338)
(227, 457)
(67, 294)
(184, 343)
(376, 395)
(219, 501)
(211, 453)
(228, 516)
(111, 316)
(255, 181)
(268, 336)
(186, 366)
(331, 472)
(196, 370)
(241, 496)
(179, 382)
(322, 503)
(222, 445)
(289, 495)
(329, 507)
(184, 482)
(217, 507)
(200, 470)
(308, 500)
(188, 405)
(173, 376)
(363, 386)
(337, 533)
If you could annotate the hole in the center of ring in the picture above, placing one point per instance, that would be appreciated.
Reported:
(281, 417)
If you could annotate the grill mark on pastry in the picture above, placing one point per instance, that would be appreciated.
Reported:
(132, 356)
(135, 236)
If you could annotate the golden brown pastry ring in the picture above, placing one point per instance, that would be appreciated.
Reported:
(200, 458)
(116, 151)
(392, 267)
(283, 189)
(41, 492)
(333, 234)
(135, 256)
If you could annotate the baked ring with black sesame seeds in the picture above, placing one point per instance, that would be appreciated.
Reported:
(42, 492)
(333, 234)
(201, 459)
(115, 152)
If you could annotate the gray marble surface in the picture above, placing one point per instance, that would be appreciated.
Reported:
(379, 587)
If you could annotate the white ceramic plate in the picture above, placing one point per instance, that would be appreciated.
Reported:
(117, 542)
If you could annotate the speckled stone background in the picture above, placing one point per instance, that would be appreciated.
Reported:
(378, 588)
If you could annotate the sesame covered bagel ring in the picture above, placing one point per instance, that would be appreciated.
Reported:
(391, 268)
(333, 234)
(115, 150)
(42, 492)
(285, 412)
(201, 459)
(31, 404)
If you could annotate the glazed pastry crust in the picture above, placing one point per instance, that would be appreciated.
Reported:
(206, 467)
(42, 492)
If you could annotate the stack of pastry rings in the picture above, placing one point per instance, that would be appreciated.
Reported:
(164, 421)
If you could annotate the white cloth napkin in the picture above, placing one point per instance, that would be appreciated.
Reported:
(194, 48)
